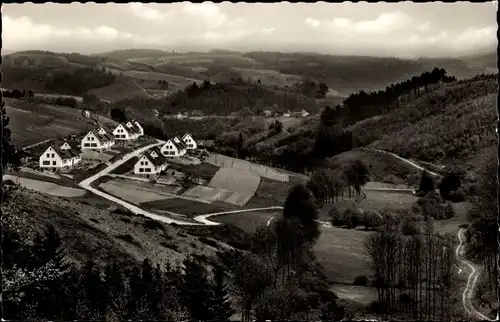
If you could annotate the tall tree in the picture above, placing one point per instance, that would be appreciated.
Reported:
(220, 302)
(196, 290)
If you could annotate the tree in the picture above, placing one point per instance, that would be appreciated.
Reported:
(118, 115)
(196, 290)
(10, 156)
(426, 182)
(450, 182)
(220, 303)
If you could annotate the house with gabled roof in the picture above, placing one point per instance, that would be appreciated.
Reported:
(150, 163)
(173, 149)
(190, 141)
(136, 126)
(124, 133)
(96, 141)
(61, 157)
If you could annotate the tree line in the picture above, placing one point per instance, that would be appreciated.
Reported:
(78, 81)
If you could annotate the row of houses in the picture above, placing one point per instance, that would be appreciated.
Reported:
(288, 113)
(100, 139)
(155, 160)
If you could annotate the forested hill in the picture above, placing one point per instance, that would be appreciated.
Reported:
(226, 98)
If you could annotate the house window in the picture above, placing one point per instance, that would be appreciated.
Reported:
(148, 169)
(86, 144)
(141, 170)
(54, 162)
(53, 155)
(48, 155)
(146, 163)
(142, 162)
(46, 162)
(93, 145)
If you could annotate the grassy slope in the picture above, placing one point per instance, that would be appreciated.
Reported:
(32, 122)
(89, 230)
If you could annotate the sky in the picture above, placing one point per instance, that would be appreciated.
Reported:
(403, 29)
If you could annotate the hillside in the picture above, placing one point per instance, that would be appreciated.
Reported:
(450, 124)
(33, 122)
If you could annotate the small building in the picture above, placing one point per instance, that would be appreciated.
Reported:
(287, 114)
(59, 157)
(96, 141)
(172, 149)
(304, 113)
(152, 162)
(190, 141)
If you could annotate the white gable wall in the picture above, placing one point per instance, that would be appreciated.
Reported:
(90, 141)
(170, 150)
(120, 133)
(51, 159)
(191, 143)
(141, 130)
(145, 166)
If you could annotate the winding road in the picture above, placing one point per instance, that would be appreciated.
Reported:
(471, 281)
(203, 220)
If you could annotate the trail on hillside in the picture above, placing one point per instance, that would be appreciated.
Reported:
(468, 292)
(404, 160)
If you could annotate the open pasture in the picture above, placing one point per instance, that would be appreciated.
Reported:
(212, 194)
(268, 77)
(223, 161)
(189, 208)
(135, 191)
(235, 180)
(46, 187)
(31, 123)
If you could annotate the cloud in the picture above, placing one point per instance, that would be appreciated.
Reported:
(312, 22)
(146, 13)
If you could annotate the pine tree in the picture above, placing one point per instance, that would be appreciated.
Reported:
(196, 291)
(426, 182)
(220, 303)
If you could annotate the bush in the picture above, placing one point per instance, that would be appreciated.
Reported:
(409, 226)
(456, 196)
(152, 224)
(372, 219)
(361, 280)
(209, 242)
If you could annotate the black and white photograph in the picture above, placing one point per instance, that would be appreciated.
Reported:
(249, 161)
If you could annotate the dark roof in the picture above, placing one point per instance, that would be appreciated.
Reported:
(101, 137)
(187, 133)
(66, 154)
(181, 143)
(177, 146)
(155, 161)
(160, 155)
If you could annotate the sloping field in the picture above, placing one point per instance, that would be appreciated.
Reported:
(46, 187)
(120, 90)
(31, 123)
(212, 194)
(236, 180)
(223, 161)
(135, 191)
(179, 81)
(268, 77)
(273, 140)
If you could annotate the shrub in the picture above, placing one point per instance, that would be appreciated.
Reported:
(372, 219)
(426, 182)
(409, 226)
(209, 242)
(361, 280)
(456, 196)
(152, 224)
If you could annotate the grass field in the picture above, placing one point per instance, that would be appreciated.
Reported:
(382, 167)
(136, 191)
(268, 77)
(46, 187)
(203, 170)
(126, 167)
(186, 207)
(211, 194)
(238, 164)
(31, 123)
(235, 180)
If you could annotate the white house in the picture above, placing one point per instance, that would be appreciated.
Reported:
(124, 133)
(304, 113)
(97, 142)
(55, 158)
(147, 164)
(190, 141)
(172, 149)
(287, 114)
(136, 126)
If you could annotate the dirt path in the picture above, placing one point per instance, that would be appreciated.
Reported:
(471, 281)
(404, 160)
